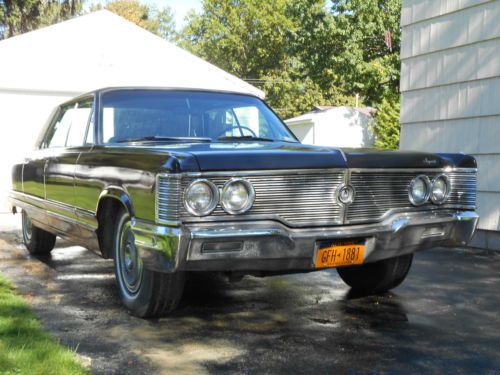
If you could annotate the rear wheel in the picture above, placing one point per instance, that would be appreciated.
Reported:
(144, 292)
(377, 277)
(36, 240)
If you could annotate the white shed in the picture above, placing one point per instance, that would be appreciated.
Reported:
(335, 127)
(45, 67)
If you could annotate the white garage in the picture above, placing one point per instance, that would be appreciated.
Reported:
(50, 65)
(335, 127)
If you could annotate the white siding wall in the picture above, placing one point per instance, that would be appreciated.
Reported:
(450, 84)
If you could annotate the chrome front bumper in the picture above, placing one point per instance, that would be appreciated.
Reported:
(271, 246)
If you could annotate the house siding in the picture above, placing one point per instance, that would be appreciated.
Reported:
(450, 91)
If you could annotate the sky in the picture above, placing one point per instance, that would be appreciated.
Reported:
(180, 7)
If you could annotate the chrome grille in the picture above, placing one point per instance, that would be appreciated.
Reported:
(296, 199)
(378, 193)
(308, 198)
(169, 198)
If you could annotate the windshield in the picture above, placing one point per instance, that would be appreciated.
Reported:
(161, 115)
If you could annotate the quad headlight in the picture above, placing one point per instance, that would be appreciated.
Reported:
(237, 196)
(440, 189)
(201, 197)
(420, 190)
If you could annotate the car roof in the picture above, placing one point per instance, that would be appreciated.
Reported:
(152, 88)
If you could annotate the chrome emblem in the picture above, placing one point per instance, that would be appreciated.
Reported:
(345, 194)
(429, 161)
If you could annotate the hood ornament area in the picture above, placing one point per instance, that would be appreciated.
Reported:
(430, 161)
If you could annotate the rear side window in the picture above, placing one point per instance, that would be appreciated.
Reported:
(71, 125)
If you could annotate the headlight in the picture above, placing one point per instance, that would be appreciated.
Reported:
(440, 189)
(201, 197)
(420, 190)
(238, 196)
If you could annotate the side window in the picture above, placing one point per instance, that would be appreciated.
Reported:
(59, 131)
(80, 115)
(70, 127)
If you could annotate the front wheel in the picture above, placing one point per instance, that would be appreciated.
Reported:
(377, 277)
(144, 292)
(36, 240)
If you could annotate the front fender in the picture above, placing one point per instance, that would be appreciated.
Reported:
(120, 194)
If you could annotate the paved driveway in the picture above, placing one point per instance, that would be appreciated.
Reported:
(445, 318)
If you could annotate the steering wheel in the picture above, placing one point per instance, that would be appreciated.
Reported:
(235, 127)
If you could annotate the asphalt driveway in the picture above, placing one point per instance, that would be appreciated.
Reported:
(445, 318)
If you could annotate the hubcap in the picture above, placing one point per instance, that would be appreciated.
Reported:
(129, 262)
(27, 227)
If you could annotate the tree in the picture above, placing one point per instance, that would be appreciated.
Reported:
(261, 41)
(21, 16)
(387, 127)
(158, 21)
(359, 53)
(244, 37)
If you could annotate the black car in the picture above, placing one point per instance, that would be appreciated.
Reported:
(169, 181)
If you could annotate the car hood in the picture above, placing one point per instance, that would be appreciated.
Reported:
(226, 156)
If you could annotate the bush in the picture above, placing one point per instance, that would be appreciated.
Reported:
(387, 127)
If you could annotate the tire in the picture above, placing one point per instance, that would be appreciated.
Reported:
(378, 277)
(36, 240)
(144, 292)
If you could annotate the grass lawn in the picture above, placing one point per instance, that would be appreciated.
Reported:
(25, 347)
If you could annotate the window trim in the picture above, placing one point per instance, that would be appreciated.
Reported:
(53, 121)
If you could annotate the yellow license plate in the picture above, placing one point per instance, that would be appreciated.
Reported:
(337, 253)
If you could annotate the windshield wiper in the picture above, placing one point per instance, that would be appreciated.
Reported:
(244, 138)
(160, 138)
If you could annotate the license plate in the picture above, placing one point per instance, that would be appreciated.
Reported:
(339, 253)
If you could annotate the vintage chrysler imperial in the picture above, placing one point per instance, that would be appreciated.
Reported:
(168, 182)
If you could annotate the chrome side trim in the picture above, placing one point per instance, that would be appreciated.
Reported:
(59, 211)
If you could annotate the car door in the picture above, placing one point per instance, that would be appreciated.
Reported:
(64, 143)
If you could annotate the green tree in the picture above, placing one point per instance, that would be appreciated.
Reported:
(21, 16)
(158, 21)
(387, 127)
(261, 41)
(359, 54)
(245, 37)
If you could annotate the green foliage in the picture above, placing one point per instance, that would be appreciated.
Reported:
(387, 127)
(300, 52)
(21, 16)
(158, 21)
(292, 96)
(25, 347)
(244, 37)
(359, 54)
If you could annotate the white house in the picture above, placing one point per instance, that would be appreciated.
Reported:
(450, 85)
(45, 67)
(335, 126)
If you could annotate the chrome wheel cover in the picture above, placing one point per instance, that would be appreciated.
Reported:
(27, 227)
(129, 263)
